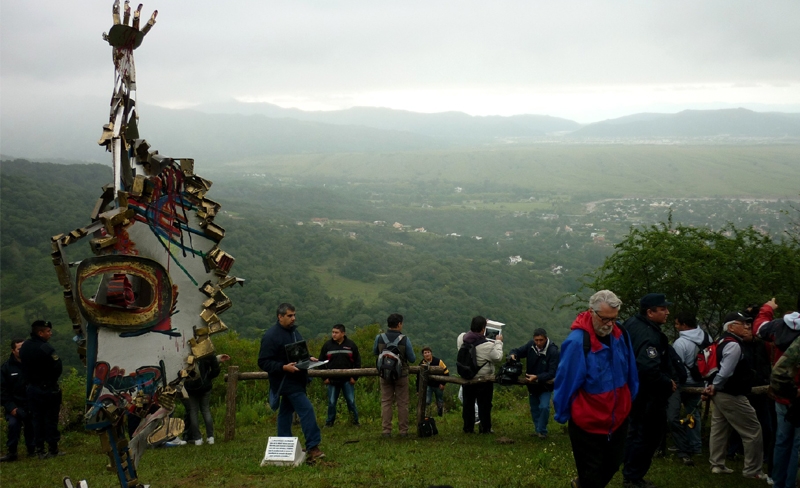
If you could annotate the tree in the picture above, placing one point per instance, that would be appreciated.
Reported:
(703, 271)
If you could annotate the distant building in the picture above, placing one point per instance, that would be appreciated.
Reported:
(397, 225)
(420, 229)
(512, 260)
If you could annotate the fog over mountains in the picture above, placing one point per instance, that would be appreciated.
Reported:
(233, 131)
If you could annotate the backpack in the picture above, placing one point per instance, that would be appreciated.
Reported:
(389, 364)
(427, 427)
(467, 361)
(694, 371)
(707, 362)
(510, 372)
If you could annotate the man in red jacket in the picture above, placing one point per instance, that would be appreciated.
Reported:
(595, 385)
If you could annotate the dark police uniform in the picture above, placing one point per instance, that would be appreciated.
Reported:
(13, 394)
(42, 368)
(648, 417)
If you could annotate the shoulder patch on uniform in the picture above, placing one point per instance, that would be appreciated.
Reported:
(652, 353)
(55, 357)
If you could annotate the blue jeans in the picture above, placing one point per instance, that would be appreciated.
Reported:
(298, 402)
(787, 444)
(434, 390)
(540, 410)
(349, 397)
(194, 404)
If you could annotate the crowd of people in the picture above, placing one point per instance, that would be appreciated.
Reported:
(620, 387)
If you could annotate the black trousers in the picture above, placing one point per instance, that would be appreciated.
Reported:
(483, 393)
(597, 456)
(44, 404)
(648, 419)
(15, 426)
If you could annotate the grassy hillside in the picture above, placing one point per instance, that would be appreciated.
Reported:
(612, 170)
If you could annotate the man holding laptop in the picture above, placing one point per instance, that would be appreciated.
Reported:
(282, 351)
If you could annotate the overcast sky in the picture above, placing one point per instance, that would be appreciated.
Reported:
(582, 60)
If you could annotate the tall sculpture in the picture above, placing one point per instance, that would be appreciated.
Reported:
(144, 306)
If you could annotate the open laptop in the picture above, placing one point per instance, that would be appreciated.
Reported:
(297, 352)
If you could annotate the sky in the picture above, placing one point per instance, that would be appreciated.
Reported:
(582, 60)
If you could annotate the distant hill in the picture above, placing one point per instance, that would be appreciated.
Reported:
(455, 126)
(733, 123)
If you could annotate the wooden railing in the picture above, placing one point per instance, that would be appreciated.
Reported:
(425, 374)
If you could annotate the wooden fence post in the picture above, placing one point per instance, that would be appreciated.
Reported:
(422, 393)
(230, 403)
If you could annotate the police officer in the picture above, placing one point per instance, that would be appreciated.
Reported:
(13, 393)
(42, 368)
(656, 384)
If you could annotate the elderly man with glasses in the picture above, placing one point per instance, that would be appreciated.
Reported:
(728, 391)
(595, 384)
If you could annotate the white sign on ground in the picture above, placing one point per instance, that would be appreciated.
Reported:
(283, 451)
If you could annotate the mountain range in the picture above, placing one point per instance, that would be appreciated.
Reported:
(233, 131)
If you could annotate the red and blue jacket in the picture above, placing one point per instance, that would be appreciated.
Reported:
(595, 389)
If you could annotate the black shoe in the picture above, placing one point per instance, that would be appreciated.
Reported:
(328, 424)
(687, 461)
(9, 458)
(440, 411)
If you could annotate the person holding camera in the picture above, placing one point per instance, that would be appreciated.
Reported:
(487, 352)
(541, 362)
(13, 390)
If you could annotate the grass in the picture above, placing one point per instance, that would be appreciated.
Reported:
(361, 457)
(344, 288)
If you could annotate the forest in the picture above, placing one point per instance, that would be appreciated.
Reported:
(353, 251)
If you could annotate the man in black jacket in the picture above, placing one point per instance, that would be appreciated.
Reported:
(649, 412)
(341, 353)
(541, 359)
(13, 392)
(42, 368)
(288, 381)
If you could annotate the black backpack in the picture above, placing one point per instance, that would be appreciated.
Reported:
(510, 372)
(427, 427)
(390, 363)
(467, 361)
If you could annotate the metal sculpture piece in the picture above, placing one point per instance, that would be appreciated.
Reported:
(144, 306)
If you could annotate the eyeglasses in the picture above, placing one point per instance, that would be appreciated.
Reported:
(605, 320)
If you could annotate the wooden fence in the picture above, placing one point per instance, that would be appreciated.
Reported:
(233, 377)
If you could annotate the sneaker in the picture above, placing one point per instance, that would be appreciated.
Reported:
(637, 484)
(687, 461)
(760, 476)
(672, 449)
(314, 453)
(440, 411)
(210, 441)
(328, 424)
(9, 458)
(721, 470)
(386, 434)
(541, 436)
(198, 442)
(175, 442)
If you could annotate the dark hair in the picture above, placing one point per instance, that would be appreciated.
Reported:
(40, 325)
(339, 327)
(14, 343)
(427, 348)
(643, 310)
(540, 332)
(283, 308)
(478, 324)
(687, 318)
(394, 320)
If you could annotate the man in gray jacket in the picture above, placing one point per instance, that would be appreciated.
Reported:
(691, 339)
(488, 352)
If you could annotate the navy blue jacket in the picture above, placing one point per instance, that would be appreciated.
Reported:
(13, 387)
(272, 357)
(543, 365)
(40, 363)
